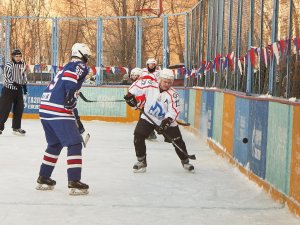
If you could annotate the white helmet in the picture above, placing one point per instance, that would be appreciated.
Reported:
(135, 73)
(151, 61)
(82, 51)
(167, 74)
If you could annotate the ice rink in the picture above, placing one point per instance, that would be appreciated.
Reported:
(216, 194)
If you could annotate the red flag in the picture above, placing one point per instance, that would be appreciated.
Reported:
(182, 70)
(252, 56)
(208, 66)
(281, 43)
(107, 69)
(122, 69)
(93, 68)
(217, 60)
(230, 59)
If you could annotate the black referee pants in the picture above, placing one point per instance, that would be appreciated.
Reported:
(11, 99)
(144, 128)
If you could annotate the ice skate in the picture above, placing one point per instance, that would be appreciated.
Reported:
(140, 165)
(19, 132)
(78, 188)
(45, 183)
(1, 132)
(152, 136)
(187, 166)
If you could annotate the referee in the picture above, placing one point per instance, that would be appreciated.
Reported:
(14, 87)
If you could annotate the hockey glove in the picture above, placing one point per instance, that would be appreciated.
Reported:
(141, 100)
(164, 125)
(25, 92)
(130, 100)
(70, 100)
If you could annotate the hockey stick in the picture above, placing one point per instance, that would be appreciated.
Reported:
(87, 100)
(86, 139)
(168, 137)
(183, 123)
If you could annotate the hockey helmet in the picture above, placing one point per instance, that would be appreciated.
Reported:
(16, 52)
(167, 74)
(151, 61)
(81, 51)
(135, 73)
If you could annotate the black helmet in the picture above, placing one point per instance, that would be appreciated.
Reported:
(16, 52)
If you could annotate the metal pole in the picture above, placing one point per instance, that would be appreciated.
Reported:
(272, 78)
(186, 46)
(200, 39)
(216, 39)
(140, 33)
(288, 59)
(165, 41)
(229, 38)
(2, 39)
(221, 23)
(208, 54)
(238, 43)
(99, 60)
(250, 43)
(54, 54)
(137, 49)
(7, 39)
(261, 43)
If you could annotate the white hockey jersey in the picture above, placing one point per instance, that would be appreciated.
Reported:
(158, 105)
(145, 72)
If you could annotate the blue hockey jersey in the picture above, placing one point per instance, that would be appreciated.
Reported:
(70, 78)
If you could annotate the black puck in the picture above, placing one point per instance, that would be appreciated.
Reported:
(245, 140)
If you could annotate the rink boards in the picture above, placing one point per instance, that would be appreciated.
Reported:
(271, 128)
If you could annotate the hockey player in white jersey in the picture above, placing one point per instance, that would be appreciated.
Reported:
(161, 105)
(135, 74)
(152, 69)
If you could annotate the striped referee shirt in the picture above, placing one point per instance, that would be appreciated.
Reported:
(14, 72)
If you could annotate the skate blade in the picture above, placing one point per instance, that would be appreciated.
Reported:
(141, 170)
(44, 187)
(76, 191)
(18, 134)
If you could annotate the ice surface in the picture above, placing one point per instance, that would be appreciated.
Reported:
(216, 194)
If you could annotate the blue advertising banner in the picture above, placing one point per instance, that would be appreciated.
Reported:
(207, 111)
(241, 131)
(184, 101)
(33, 99)
(258, 137)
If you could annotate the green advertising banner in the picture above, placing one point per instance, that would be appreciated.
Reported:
(106, 102)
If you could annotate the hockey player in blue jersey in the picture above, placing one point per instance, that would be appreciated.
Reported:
(59, 123)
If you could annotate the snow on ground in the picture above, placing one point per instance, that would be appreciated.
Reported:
(216, 194)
